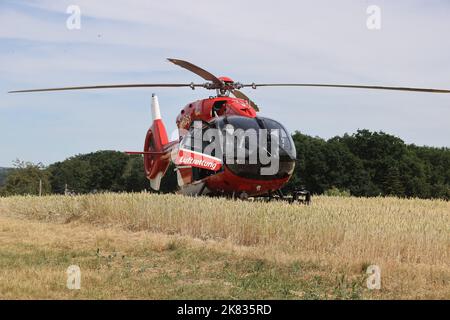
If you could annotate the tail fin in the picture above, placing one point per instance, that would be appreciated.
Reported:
(156, 148)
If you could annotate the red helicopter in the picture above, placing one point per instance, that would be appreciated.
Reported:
(200, 172)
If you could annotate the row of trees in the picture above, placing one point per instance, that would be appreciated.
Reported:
(26, 178)
(371, 164)
(88, 173)
(363, 164)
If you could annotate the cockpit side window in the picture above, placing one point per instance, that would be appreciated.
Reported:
(218, 108)
(285, 138)
(188, 142)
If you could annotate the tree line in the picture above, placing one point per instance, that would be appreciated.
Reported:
(371, 164)
(99, 171)
(362, 164)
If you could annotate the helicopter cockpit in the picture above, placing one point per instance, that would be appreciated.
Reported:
(245, 145)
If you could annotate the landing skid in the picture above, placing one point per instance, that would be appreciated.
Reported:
(298, 196)
(199, 189)
(195, 189)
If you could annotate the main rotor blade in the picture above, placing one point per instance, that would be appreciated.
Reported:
(115, 86)
(255, 85)
(195, 69)
(241, 95)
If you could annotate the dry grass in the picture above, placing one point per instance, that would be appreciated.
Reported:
(331, 242)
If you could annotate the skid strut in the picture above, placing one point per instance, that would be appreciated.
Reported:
(298, 196)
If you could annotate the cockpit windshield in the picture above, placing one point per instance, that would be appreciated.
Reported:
(286, 142)
(247, 146)
(257, 124)
(246, 134)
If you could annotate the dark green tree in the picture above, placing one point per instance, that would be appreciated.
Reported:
(106, 168)
(169, 183)
(3, 174)
(133, 176)
(25, 179)
(74, 173)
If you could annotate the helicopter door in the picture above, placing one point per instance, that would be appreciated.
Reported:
(190, 155)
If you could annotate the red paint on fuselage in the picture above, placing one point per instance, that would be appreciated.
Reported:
(224, 181)
(228, 183)
(203, 110)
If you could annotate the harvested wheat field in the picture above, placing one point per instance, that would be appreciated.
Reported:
(148, 246)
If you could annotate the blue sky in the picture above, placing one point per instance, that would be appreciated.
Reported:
(292, 41)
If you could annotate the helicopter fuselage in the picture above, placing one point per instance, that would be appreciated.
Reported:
(239, 179)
